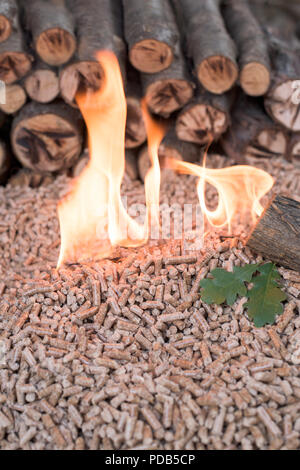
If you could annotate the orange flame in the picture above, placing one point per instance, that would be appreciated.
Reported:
(93, 218)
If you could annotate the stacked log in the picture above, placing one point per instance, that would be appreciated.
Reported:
(218, 70)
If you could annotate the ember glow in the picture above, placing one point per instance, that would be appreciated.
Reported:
(92, 216)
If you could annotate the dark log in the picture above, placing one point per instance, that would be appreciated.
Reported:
(8, 18)
(169, 90)
(205, 118)
(99, 27)
(131, 167)
(151, 34)
(15, 62)
(277, 233)
(15, 98)
(294, 148)
(5, 159)
(42, 83)
(253, 133)
(135, 134)
(208, 43)
(47, 137)
(170, 147)
(253, 56)
(28, 178)
(52, 29)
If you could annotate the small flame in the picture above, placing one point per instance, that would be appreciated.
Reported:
(240, 189)
(92, 216)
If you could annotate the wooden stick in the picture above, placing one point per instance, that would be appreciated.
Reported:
(205, 118)
(253, 133)
(277, 233)
(208, 43)
(169, 90)
(52, 29)
(47, 137)
(151, 34)
(135, 134)
(254, 62)
(98, 26)
(15, 62)
(42, 83)
(15, 98)
(8, 18)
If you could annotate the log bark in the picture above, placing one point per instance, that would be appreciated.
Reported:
(284, 49)
(253, 133)
(208, 43)
(135, 134)
(253, 56)
(15, 98)
(15, 62)
(8, 18)
(277, 233)
(169, 90)
(99, 26)
(47, 137)
(42, 83)
(5, 160)
(28, 178)
(205, 118)
(151, 34)
(52, 28)
(170, 147)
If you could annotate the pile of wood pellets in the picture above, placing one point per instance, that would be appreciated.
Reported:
(123, 353)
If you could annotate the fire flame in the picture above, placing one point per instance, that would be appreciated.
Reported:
(92, 216)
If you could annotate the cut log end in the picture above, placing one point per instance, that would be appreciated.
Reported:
(15, 98)
(47, 139)
(151, 56)
(13, 66)
(166, 96)
(55, 46)
(42, 85)
(283, 106)
(201, 124)
(135, 127)
(277, 233)
(5, 28)
(217, 74)
(4, 161)
(255, 79)
(80, 77)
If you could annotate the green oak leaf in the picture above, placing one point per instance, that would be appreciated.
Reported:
(265, 297)
(226, 286)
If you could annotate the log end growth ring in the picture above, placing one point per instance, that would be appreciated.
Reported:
(5, 28)
(255, 79)
(217, 74)
(135, 127)
(166, 96)
(200, 124)
(151, 56)
(282, 104)
(46, 143)
(80, 77)
(55, 46)
(13, 66)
